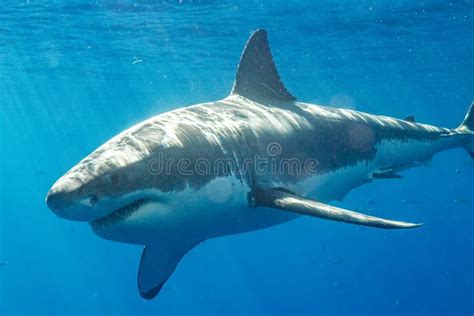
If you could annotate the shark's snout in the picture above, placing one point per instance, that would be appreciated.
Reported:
(55, 200)
(63, 200)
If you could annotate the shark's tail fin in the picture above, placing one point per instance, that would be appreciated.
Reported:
(467, 126)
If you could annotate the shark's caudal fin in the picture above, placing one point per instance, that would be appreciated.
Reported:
(257, 77)
(467, 126)
(156, 266)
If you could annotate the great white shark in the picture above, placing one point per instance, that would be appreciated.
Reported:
(255, 159)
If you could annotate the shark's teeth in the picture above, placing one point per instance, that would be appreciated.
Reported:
(118, 214)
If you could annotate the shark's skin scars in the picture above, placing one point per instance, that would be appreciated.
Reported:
(254, 159)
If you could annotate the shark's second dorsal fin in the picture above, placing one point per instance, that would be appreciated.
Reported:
(257, 78)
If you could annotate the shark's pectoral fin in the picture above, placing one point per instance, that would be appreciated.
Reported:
(156, 266)
(285, 200)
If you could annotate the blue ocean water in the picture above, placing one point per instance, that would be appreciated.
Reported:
(75, 73)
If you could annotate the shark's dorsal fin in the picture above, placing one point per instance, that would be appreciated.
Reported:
(257, 77)
(410, 119)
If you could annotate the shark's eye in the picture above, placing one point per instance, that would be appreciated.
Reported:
(114, 179)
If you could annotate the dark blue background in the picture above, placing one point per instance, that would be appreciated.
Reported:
(75, 73)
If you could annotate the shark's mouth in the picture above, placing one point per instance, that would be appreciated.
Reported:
(119, 214)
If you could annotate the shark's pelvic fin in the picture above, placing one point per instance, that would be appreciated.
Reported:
(284, 200)
(257, 77)
(156, 266)
(386, 174)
